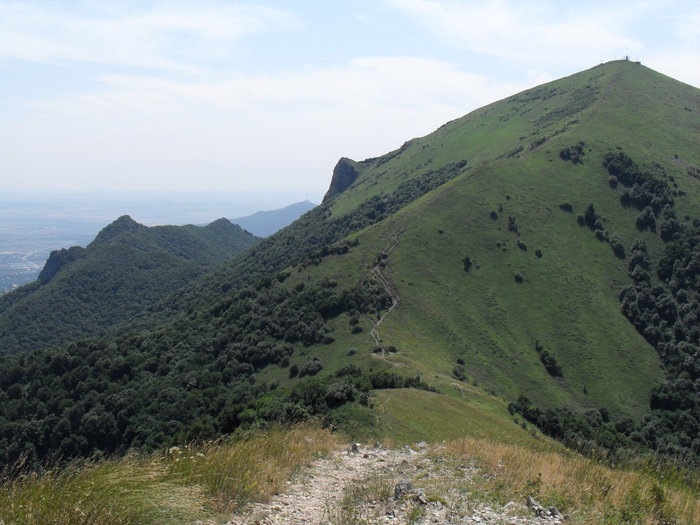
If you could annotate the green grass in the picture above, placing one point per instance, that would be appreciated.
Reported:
(411, 416)
(182, 485)
(568, 300)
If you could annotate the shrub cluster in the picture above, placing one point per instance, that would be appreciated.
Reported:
(191, 379)
(573, 153)
(549, 361)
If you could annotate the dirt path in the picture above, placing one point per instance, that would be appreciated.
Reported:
(378, 274)
(359, 486)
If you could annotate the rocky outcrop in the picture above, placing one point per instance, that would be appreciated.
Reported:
(57, 260)
(344, 174)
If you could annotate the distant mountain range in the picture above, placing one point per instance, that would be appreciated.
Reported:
(265, 223)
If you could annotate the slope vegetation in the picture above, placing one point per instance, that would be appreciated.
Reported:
(82, 291)
(481, 264)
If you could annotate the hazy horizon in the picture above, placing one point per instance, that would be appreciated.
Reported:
(32, 224)
(268, 95)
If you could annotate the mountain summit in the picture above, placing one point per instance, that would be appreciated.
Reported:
(538, 255)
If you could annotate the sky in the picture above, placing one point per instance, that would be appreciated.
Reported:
(261, 98)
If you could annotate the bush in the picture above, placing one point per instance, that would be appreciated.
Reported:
(338, 393)
(312, 367)
(356, 329)
(550, 364)
(565, 206)
(592, 219)
(348, 370)
(617, 246)
(573, 153)
(293, 371)
(646, 220)
(518, 278)
(467, 264)
(458, 372)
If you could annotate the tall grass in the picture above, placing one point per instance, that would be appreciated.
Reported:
(182, 485)
(587, 490)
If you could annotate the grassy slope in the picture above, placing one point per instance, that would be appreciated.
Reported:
(569, 298)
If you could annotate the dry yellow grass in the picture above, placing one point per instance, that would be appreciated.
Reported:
(250, 468)
(182, 485)
(211, 480)
(588, 491)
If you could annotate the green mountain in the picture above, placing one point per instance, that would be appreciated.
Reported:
(265, 223)
(542, 251)
(82, 291)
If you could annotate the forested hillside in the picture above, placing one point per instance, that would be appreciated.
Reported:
(81, 292)
(537, 258)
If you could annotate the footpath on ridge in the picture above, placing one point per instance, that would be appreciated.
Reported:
(389, 287)
(387, 486)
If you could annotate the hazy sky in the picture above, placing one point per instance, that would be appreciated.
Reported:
(236, 97)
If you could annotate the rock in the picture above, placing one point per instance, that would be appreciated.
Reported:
(422, 445)
(344, 174)
(554, 512)
(377, 445)
(421, 498)
(355, 447)
(538, 509)
(403, 488)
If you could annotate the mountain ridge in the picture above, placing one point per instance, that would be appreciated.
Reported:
(500, 233)
(266, 223)
(125, 268)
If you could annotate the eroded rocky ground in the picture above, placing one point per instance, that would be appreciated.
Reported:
(391, 486)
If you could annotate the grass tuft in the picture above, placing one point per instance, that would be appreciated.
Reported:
(181, 485)
(588, 491)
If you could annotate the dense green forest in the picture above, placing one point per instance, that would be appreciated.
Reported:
(81, 292)
(157, 388)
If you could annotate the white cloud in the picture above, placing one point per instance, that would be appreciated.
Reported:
(173, 37)
(136, 122)
(283, 130)
(547, 33)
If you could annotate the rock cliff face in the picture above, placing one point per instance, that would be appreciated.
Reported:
(57, 260)
(344, 174)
